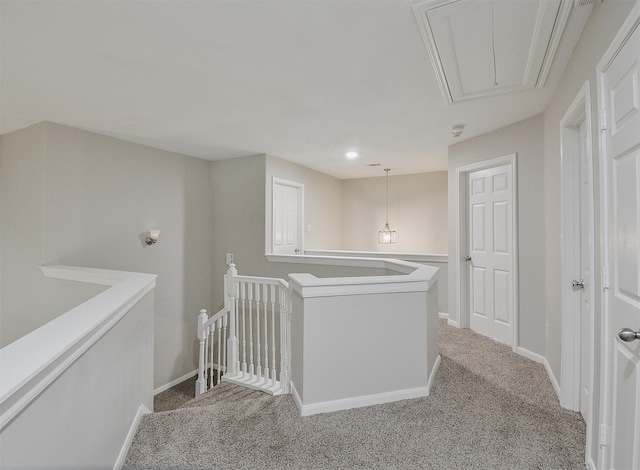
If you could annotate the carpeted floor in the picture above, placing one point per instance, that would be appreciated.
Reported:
(489, 409)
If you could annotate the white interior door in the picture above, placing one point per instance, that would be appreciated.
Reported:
(491, 277)
(287, 219)
(585, 292)
(620, 94)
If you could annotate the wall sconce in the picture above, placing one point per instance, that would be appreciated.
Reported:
(152, 237)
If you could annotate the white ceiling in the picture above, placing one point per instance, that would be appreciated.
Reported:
(303, 80)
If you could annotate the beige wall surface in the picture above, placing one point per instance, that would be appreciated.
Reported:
(604, 22)
(525, 139)
(417, 212)
(322, 203)
(100, 197)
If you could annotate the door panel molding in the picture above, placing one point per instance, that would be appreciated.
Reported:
(270, 236)
(462, 241)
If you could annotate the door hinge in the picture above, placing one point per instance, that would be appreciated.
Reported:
(605, 435)
(603, 119)
(605, 278)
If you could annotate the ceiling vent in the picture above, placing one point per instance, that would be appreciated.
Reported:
(582, 3)
(485, 48)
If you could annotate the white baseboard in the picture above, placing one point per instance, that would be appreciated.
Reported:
(357, 402)
(453, 323)
(142, 410)
(443, 315)
(432, 375)
(530, 355)
(541, 360)
(590, 464)
(296, 397)
(175, 382)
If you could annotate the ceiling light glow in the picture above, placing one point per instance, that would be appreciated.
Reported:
(352, 155)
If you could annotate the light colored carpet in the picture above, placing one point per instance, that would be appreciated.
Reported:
(489, 408)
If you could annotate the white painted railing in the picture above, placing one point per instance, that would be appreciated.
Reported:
(247, 342)
(88, 369)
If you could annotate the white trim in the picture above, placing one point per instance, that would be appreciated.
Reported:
(296, 397)
(432, 375)
(407, 277)
(142, 410)
(541, 360)
(552, 377)
(175, 382)
(359, 402)
(535, 357)
(572, 315)
(443, 315)
(579, 111)
(461, 239)
(414, 257)
(453, 323)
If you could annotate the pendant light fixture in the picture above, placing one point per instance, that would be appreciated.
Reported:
(386, 235)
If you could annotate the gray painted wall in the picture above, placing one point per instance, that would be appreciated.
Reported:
(28, 300)
(526, 140)
(99, 197)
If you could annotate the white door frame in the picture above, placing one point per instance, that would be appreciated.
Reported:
(462, 239)
(571, 341)
(300, 190)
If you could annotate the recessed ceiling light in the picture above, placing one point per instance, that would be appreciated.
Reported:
(352, 155)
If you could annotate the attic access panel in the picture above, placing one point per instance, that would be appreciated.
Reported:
(483, 48)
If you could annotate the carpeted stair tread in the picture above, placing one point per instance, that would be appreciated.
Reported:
(227, 393)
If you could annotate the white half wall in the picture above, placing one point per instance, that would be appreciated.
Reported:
(84, 417)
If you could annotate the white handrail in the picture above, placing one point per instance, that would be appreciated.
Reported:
(31, 363)
(253, 307)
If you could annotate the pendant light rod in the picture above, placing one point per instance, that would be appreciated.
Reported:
(387, 218)
(386, 235)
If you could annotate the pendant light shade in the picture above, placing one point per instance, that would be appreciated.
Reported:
(386, 235)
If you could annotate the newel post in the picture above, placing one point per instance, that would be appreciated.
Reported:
(230, 304)
(201, 384)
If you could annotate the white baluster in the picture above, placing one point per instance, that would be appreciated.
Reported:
(232, 342)
(258, 357)
(243, 296)
(285, 320)
(273, 334)
(211, 337)
(225, 336)
(265, 299)
(250, 299)
(219, 331)
(201, 385)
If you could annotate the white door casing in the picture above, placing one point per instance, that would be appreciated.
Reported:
(585, 293)
(491, 252)
(619, 96)
(287, 217)
(577, 259)
(507, 216)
